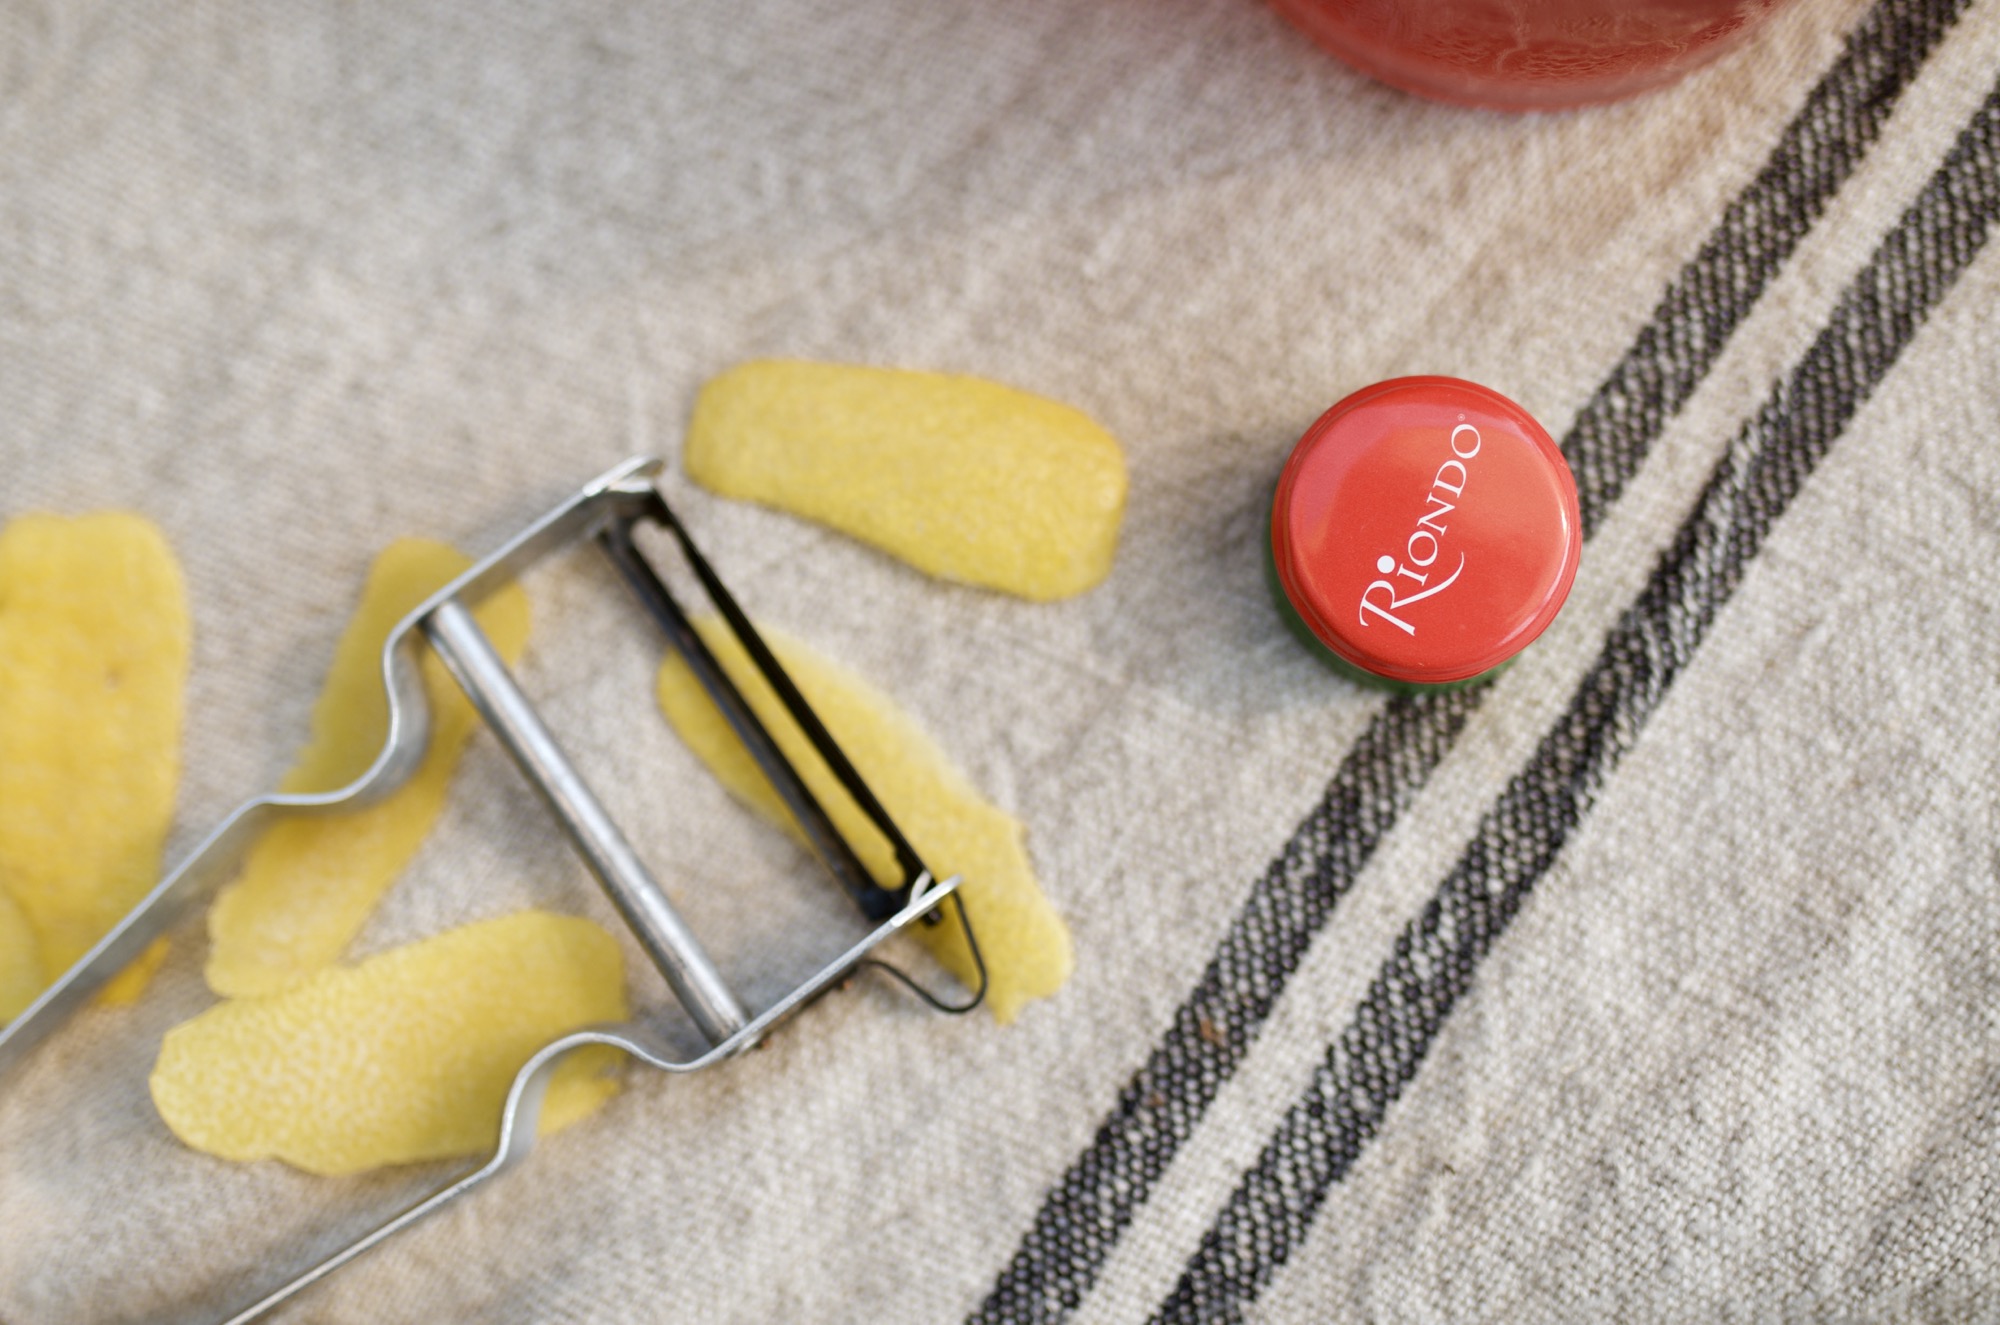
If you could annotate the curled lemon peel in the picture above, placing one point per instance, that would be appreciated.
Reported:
(406, 1056)
(94, 643)
(1024, 942)
(311, 882)
(962, 478)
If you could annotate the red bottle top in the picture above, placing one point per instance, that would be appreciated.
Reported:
(1425, 530)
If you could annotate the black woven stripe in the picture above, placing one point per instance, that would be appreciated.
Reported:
(1083, 1216)
(1437, 956)
(1712, 294)
(1085, 1213)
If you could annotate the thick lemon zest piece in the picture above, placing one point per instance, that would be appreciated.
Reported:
(406, 1056)
(310, 883)
(94, 643)
(963, 478)
(1024, 942)
(20, 960)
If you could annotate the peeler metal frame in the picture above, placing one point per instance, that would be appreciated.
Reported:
(606, 512)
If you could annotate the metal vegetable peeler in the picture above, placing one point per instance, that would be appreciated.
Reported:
(605, 512)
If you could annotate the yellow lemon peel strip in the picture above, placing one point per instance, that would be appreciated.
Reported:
(962, 478)
(124, 988)
(310, 883)
(1023, 940)
(20, 960)
(405, 1056)
(94, 641)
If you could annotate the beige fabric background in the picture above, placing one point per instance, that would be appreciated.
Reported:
(295, 278)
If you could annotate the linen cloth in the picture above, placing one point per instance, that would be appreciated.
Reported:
(1656, 980)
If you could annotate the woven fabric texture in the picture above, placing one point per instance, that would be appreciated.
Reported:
(1654, 980)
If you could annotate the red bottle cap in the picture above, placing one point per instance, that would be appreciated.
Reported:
(1425, 530)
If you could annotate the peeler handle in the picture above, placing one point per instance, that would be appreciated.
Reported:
(219, 855)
